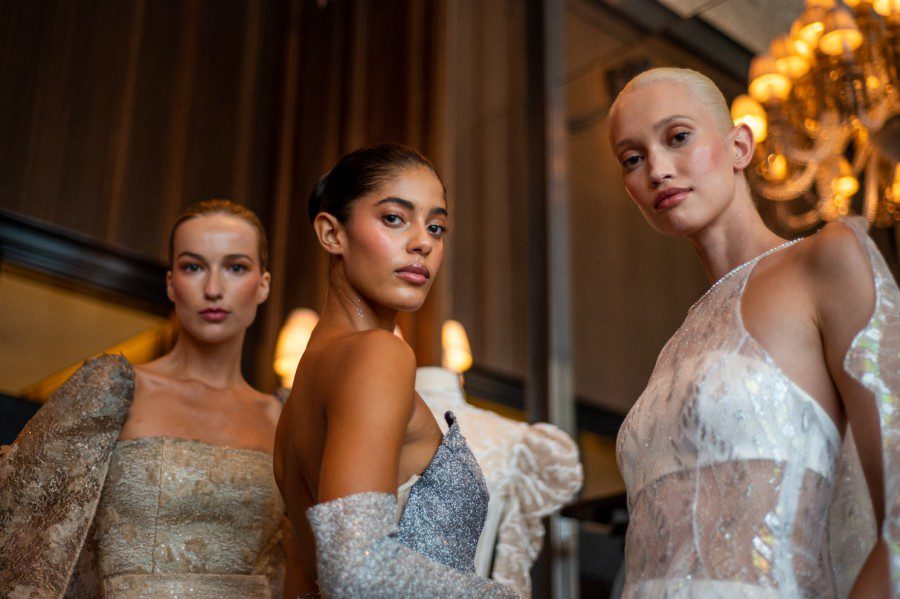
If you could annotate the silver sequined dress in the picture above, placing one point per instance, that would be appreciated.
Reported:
(731, 468)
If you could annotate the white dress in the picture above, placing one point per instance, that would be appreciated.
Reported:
(731, 468)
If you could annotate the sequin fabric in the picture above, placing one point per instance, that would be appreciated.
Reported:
(530, 471)
(730, 467)
(446, 508)
(874, 361)
(179, 516)
(361, 550)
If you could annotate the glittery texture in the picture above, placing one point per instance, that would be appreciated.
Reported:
(58, 538)
(362, 552)
(446, 508)
(874, 361)
(730, 467)
(530, 471)
(51, 477)
(209, 514)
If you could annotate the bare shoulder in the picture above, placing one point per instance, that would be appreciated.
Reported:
(840, 271)
(374, 364)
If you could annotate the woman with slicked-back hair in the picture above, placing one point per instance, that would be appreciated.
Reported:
(742, 474)
(384, 505)
(156, 480)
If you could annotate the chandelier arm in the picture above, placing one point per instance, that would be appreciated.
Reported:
(797, 223)
(872, 192)
(790, 189)
(825, 146)
(862, 158)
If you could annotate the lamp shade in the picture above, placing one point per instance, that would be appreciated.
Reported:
(457, 355)
(746, 110)
(767, 83)
(292, 341)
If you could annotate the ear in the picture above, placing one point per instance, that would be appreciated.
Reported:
(742, 144)
(262, 293)
(330, 233)
(169, 291)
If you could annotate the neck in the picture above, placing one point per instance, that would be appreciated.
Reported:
(348, 309)
(734, 237)
(217, 365)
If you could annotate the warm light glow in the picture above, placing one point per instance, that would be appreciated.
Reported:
(766, 81)
(840, 35)
(886, 7)
(845, 184)
(457, 355)
(788, 60)
(776, 169)
(746, 110)
(292, 342)
(810, 25)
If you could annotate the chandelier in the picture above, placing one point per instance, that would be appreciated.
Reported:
(824, 107)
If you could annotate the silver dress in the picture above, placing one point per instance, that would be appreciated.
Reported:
(361, 551)
(731, 468)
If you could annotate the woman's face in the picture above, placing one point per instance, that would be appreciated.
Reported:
(215, 281)
(678, 167)
(394, 239)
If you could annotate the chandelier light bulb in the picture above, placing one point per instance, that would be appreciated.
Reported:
(746, 110)
(810, 25)
(767, 83)
(777, 167)
(787, 59)
(886, 7)
(845, 184)
(841, 35)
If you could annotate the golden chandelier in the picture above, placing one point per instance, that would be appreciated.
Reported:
(824, 107)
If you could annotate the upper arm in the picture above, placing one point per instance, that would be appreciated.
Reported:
(367, 410)
(845, 302)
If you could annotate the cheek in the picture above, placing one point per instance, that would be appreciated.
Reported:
(245, 290)
(708, 158)
(183, 288)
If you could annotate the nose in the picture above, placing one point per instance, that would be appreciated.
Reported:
(661, 168)
(212, 290)
(420, 241)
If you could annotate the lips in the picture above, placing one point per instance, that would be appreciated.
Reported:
(415, 273)
(214, 314)
(669, 197)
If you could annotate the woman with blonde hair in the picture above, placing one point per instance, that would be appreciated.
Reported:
(156, 480)
(732, 455)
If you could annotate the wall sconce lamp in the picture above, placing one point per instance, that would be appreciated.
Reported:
(292, 340)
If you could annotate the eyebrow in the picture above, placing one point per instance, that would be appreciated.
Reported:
(656, 127)
(202, 259)
(410, 206)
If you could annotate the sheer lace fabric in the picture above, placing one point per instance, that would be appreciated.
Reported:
(731, 468)
(531, 471)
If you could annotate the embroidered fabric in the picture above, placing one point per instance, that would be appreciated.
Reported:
(179, 515)
(731, 468)
(57, 537)
(358, 555)
(531, 471)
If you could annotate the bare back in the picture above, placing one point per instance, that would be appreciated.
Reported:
(353, 423)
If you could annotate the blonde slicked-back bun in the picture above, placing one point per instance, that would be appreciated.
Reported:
(697, 83)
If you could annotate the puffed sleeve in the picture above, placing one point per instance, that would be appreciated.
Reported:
(52, 475)
(874, 361)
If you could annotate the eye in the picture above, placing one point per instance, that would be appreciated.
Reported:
(631, 161)
(392, 219)
(190, 267)
(437, 230)
(680, 137)
(237, 268)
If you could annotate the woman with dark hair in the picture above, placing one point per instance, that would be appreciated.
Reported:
(156, 480)
(354, 437)
(732, 456)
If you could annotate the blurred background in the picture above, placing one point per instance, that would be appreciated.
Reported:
(116, 115)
